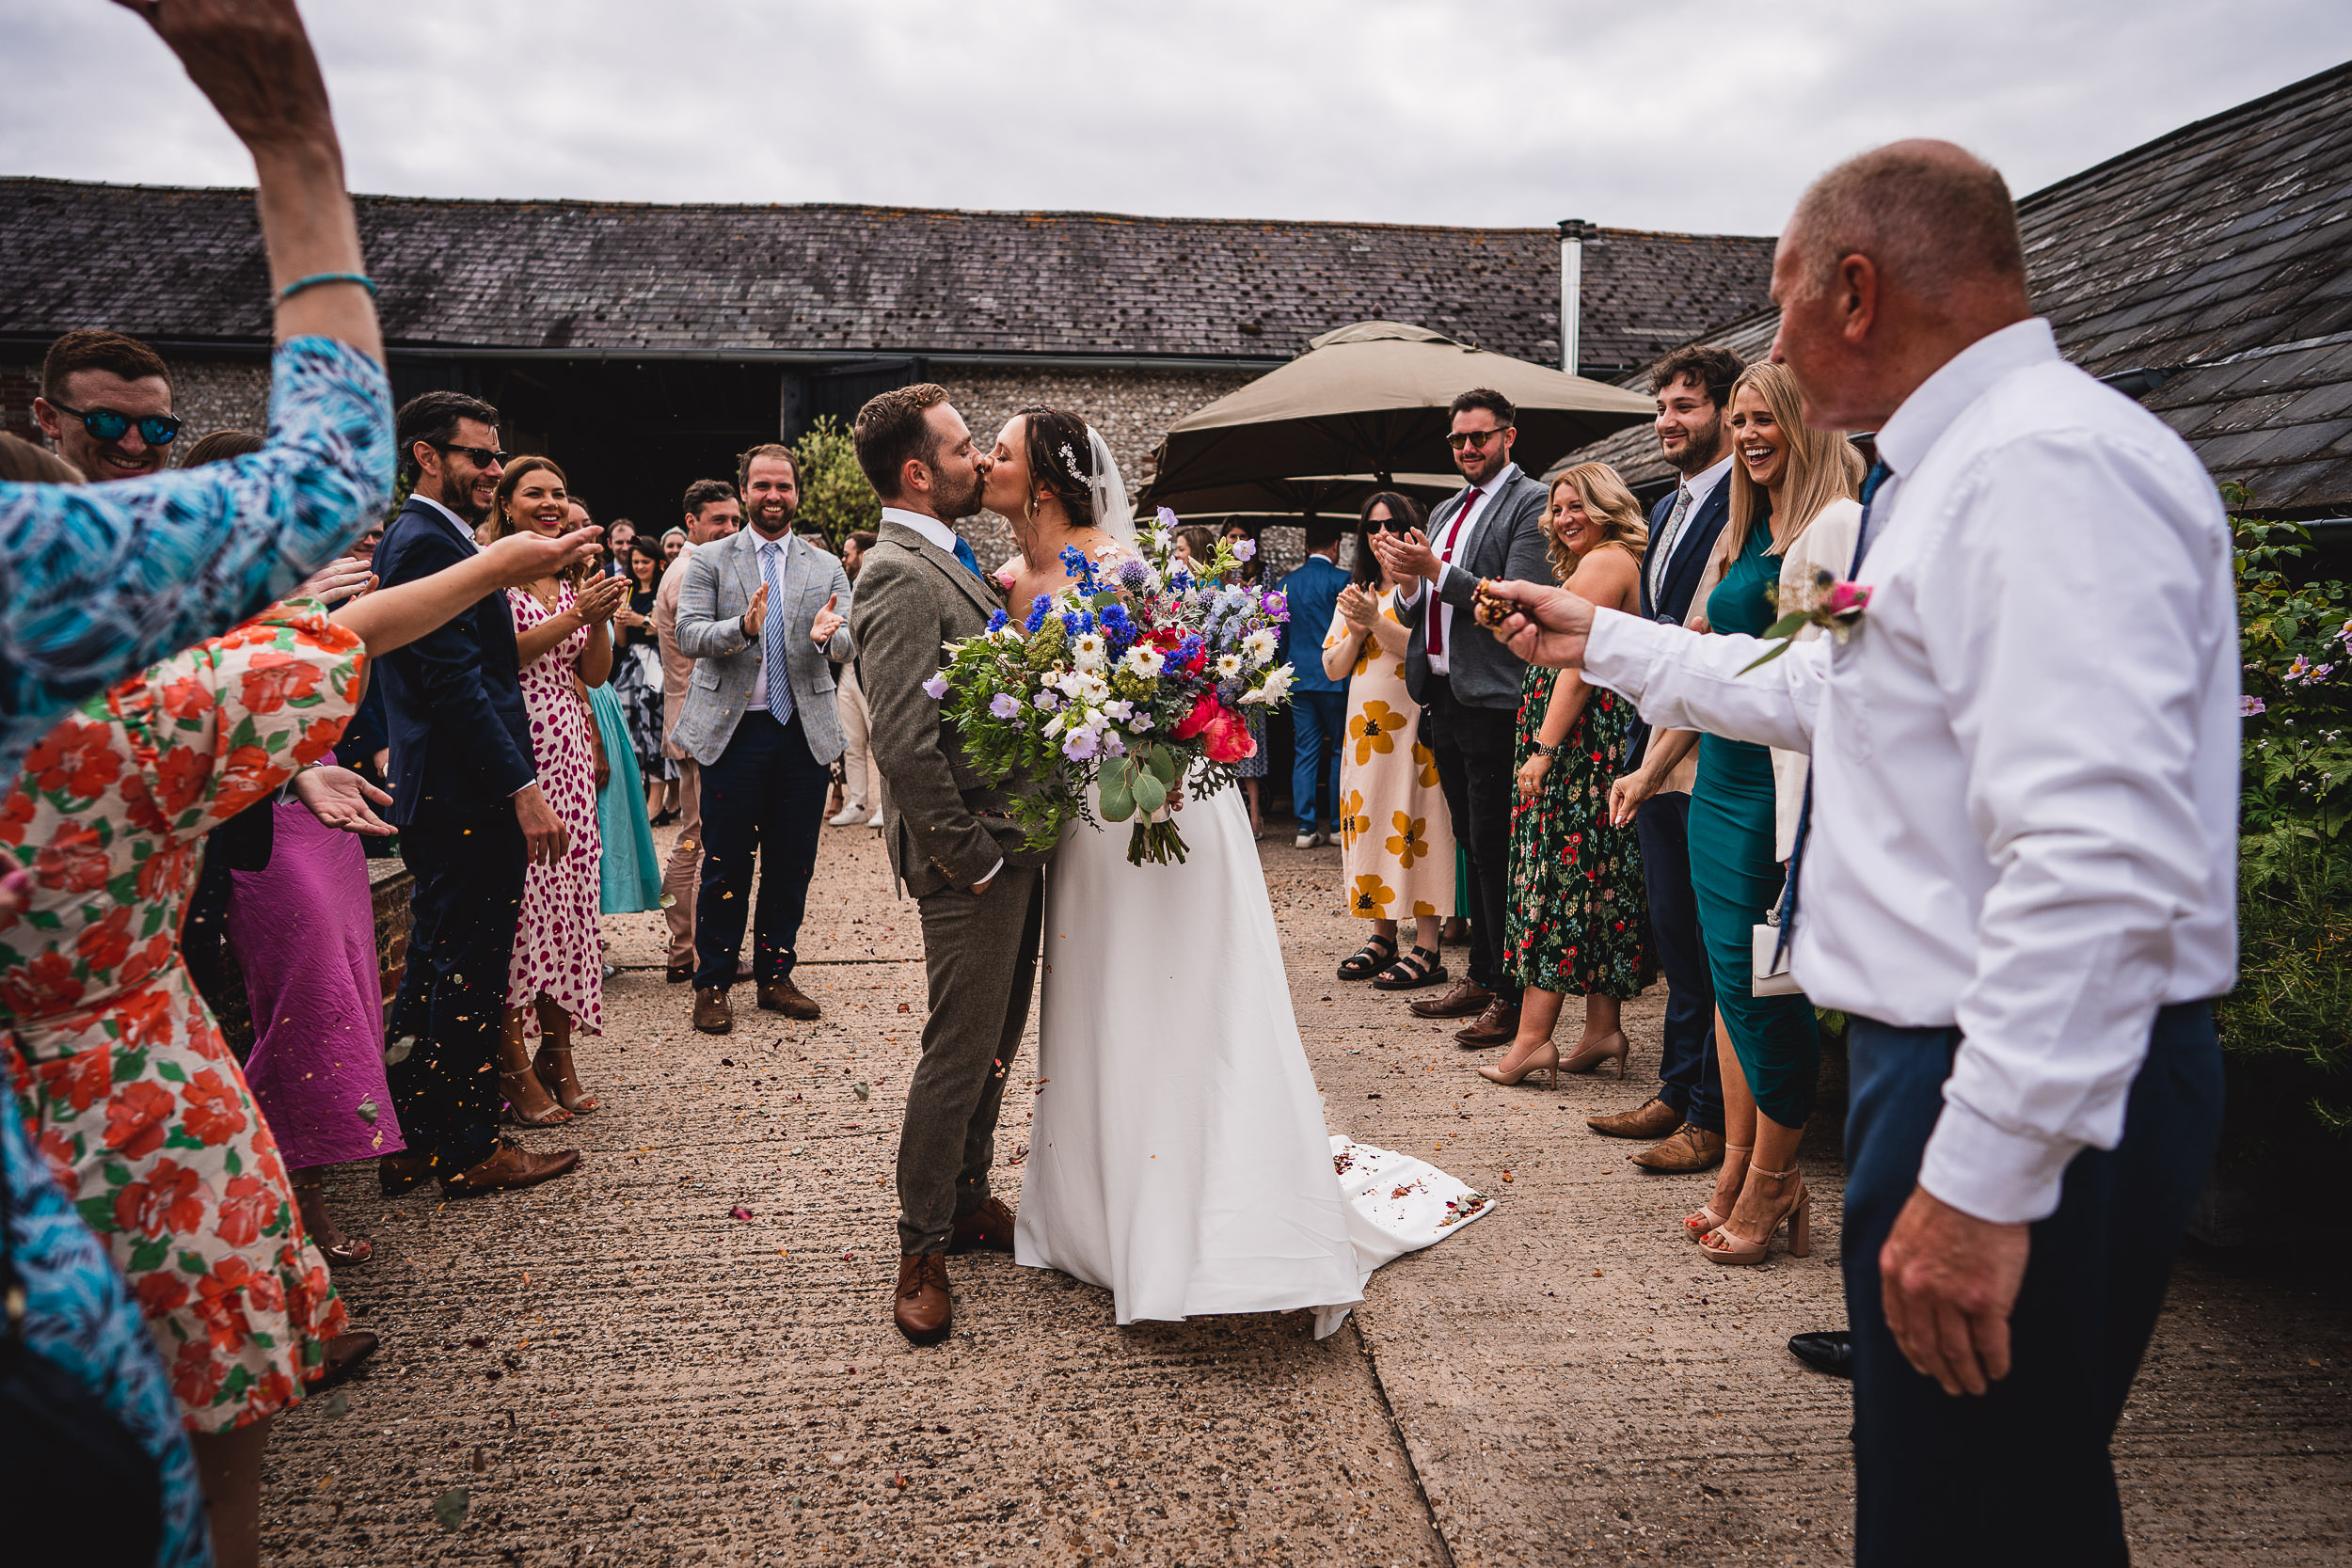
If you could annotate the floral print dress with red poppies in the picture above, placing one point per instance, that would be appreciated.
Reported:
(1577, 913)
(123, 1079)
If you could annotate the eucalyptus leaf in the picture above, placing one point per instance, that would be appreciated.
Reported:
(1163, 768)
(1151, 794)
(1118, 801)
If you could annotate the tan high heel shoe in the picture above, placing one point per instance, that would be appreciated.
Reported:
(1698, 1225)
(554, 1115)
(1724, 1245)
(1586, 1061)
(557, 1076)
(1533, 1064)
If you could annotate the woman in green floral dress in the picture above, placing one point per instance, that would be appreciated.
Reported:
(1578, 918)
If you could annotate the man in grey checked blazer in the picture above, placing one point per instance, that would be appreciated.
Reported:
(762, 613)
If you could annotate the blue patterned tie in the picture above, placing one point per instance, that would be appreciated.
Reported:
(771, 644)
(963, 553)
(1870, 484)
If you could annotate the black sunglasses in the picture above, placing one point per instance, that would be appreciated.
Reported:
(483, 456)
(1476, 439)
(111, 424)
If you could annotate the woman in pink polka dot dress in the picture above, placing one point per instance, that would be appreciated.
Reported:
(555, 982)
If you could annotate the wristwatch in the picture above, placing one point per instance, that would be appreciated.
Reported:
(1542, 750)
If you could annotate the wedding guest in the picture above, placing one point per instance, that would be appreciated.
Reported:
(1251, 769)
(712, 513)
(472, 815)
(1578, 924)
(122, 1077)
(675, 543)
(555, 976)
(862, 788)
(105, 405)
(1318, 703)
(766, 610)
(619, 539)
(637, 682)
(2021, 841)
(1239, 533)
(629, 876)
(1467, 683)
(1396, 841)
(1692, 389)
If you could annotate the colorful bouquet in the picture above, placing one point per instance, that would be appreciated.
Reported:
(1128, 685)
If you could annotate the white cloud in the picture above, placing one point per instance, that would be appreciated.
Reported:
(1701, 116)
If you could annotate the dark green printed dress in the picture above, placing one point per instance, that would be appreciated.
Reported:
(1733, 873)
(1578, 915)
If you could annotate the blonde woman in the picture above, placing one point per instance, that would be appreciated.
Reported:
(1792, 508)
(1576, 917)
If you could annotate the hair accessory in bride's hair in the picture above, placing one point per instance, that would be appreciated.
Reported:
(1070, 461)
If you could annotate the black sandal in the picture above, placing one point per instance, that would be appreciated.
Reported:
(1413, 970)
(1370, 960)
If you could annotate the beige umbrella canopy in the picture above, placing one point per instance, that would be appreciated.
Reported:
(1370, 400)
(1324, 495)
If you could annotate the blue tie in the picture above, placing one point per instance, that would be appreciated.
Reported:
(1871, 483)
(963, 553)
(771, 643)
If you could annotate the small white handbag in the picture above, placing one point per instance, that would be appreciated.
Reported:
(1768, 961)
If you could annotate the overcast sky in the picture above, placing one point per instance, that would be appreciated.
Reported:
(1692, 116)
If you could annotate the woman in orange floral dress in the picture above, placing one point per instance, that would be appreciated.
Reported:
(123, 1079)
(1396, 839)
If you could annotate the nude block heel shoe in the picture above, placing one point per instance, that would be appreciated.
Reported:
(1725, 1246)
(1697, 1225)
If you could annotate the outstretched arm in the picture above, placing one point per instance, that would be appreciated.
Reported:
(394, 617)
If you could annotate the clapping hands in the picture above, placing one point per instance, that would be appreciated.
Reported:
(1359, 609)
(599, 598)
(822, 629)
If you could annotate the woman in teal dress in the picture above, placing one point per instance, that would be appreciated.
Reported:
(1783, 477)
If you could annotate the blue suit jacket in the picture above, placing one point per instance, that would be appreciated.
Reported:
(452, 699)
(1681, 580)
(1313, 592)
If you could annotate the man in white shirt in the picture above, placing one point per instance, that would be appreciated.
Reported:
(2018, 870)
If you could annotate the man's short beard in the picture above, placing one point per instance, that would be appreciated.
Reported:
(954, 504)
(1696, 457)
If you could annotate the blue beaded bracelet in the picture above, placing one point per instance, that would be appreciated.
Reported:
(317, 278)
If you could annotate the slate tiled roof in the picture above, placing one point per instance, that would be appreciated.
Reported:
(186, 266)
(2218, 258)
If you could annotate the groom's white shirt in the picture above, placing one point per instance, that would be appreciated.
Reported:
(2025, 762)
(941, 534)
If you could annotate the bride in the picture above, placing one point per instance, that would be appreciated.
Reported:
(1178, 1156)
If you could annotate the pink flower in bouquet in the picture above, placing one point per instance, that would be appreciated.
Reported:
(1846, 598)
(1203, 714)
(1229, 738)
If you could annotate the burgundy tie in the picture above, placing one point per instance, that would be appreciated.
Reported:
(1453, 537)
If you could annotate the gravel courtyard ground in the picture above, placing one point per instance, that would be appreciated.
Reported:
(619, 1368)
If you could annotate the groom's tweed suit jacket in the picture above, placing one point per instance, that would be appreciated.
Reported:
(944, 828)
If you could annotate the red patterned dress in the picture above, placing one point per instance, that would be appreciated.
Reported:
(558, 942)
(120, 1073)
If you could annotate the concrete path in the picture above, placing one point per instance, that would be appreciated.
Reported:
(619, 1367)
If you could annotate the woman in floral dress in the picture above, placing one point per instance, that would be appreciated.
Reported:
(555, 982)
(1396, 839)
(1577, 913)
(122, 1078)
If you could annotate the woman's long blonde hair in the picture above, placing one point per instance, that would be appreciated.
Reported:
(1823, 466)
(1607, 503)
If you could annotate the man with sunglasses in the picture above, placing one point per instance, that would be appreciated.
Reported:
(105, 405)
(1467, 683)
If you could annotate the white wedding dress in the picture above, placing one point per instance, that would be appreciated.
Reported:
(1178, 1156)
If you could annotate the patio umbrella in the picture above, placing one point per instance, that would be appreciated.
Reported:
(1371, 400)
(1323, 495)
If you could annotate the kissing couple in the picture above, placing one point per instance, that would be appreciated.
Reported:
(1178, 1156)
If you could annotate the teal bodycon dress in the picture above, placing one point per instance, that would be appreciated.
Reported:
(1733, 875)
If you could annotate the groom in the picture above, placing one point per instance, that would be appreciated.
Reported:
(982, 896)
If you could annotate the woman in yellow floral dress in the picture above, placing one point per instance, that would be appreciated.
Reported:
(123, 1079)
(1396, 841)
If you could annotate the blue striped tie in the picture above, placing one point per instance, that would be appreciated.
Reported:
(1870, 484)
(771, 643)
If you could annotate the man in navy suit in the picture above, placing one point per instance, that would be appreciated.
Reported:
(466, 798)
(1692, 386)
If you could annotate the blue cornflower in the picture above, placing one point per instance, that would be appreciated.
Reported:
(1189, 649)
(996, 621)
(1036, 614)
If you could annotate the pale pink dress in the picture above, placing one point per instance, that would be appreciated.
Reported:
(557, 950)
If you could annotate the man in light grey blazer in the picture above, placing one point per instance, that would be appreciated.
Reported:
(1467, 683)
(980, 892)
(761, 612)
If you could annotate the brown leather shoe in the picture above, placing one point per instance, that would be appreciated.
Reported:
(1497, 1025)
(1692, 1148)
(987, 1228)
(1461, 1002)
(509, 1165)
(712, 1015)
(923, 1309)
(1655, 1120)
(783, 996)
(397, 1173)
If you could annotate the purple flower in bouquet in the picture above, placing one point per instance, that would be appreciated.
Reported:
(1004, 704)
(1245, 550)
(1277, 605)
(936, 687)
(1079, 745)
(1047, 701)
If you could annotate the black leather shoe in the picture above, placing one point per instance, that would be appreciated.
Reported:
(1830, 1350)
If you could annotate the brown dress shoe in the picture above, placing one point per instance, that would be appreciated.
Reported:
(987, 1228)
(1497, 1025)
(783, 996)
(1692, 1148)
(397, 1173)
(1655, 1120)
(923, 1309)
(1465, 999)
(712, 1015)
(509, 1165)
